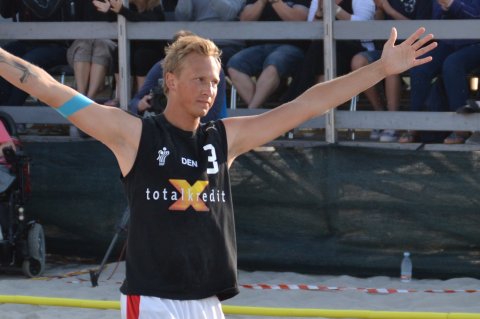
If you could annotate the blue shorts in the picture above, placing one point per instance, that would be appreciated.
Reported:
(253, 60)
(372, 56)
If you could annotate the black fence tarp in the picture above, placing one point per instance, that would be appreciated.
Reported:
(325, 210)
(342, 210)
(77, 195)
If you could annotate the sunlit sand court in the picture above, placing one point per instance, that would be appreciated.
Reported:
(384, 297)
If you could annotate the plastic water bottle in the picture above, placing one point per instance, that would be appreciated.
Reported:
(406, 268)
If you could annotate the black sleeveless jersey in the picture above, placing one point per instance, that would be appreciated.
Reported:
(181, 237)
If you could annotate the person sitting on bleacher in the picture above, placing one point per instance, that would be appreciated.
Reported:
(452, 60)
(311, 70)
(91, 59)
(143, 53)
(44, 53)
(390, 10)
(213, 10)
(269, 62)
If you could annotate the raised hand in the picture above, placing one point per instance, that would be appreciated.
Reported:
(102, 6)
(116, 5)
(145, 103)
(410, 53)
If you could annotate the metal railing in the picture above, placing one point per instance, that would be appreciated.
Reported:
(328, 30)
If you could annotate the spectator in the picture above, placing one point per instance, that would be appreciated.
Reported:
(312, 69)
(390, 10)
(213, 10)
(91, 59)
(169, 9)
(143, 53)
(44, 53)
(269, 62)
(452, 60)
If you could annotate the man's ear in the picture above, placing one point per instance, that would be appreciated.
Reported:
(170, 81)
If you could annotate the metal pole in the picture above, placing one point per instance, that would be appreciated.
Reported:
(330, 63)
(123, 60)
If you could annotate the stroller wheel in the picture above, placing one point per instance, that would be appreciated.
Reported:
(34, 264)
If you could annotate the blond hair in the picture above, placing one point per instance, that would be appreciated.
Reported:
(176, 53)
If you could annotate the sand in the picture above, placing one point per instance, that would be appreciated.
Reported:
(343, 292)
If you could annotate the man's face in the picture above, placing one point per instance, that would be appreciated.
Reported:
(195, 85)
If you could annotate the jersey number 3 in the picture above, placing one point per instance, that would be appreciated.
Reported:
(211, 159)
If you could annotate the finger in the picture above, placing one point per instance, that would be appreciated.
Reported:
(421, 61)
(414, 36)
(426, 49)
(421, 42)
(393, 37)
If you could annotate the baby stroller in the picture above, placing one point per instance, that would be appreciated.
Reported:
(22, 241)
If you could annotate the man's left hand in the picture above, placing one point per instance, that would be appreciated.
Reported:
(410, 53)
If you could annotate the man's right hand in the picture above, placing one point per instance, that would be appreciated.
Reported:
(144, 103)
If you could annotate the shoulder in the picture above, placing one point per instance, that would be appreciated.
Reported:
(215, 133)
(214, 128)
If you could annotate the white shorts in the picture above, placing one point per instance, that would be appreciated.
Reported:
(142, 307)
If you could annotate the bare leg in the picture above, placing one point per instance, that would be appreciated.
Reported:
(117, 86)
(82, 74)
(393, 87)
(114, 101)
(267, 83)
(372, 94)
(97, 79)
(243, 83)
(374, 98)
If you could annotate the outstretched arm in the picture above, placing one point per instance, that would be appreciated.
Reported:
(245, 133)
(115, 128)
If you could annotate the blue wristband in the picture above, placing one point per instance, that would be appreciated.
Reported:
(74, 105)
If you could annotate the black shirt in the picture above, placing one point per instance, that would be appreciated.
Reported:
(181, 237)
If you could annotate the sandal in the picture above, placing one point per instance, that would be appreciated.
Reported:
(407, 137)
(456, 138)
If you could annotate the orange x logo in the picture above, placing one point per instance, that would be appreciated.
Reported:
(190, 195)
